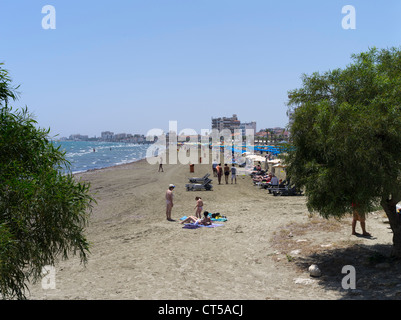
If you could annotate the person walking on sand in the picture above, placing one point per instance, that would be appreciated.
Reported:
(226, 172)
(198, 207)
(161, 164)
(233, 174)
(169, 201)
(214, 166)
(358, 216)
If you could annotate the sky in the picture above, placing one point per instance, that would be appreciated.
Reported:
(132, 66)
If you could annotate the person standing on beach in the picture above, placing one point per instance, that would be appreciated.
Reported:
(219, 172)
(169, 201)
(198, 207)
(358, 216)
(233, 174)
(161, 164)
(214, 166)
(226, 172)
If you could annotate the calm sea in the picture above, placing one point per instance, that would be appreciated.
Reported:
(87, 155)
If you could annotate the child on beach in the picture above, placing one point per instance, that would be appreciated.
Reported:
(198, 207)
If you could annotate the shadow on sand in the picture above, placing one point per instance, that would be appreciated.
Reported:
(377, 276)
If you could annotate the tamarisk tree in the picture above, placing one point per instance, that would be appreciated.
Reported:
(346, 137)
(43, 211)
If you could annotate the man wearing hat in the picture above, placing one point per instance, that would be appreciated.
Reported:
(169, 201)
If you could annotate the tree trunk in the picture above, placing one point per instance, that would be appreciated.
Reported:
(394, 218)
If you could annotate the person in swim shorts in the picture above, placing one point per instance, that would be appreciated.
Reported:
(226, 172)
(169, 201)
(219, 172)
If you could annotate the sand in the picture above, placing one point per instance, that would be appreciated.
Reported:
(262, 252)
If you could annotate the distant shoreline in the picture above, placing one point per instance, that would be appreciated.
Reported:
(115, 166)
(84, 156)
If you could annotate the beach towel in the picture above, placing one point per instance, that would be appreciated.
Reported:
(213, 219)
(217, 217)
(195, 226)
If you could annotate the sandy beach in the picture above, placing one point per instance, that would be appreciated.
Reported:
(261, 252)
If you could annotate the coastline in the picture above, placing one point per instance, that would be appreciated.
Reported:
(111, 167)
(261, 252)
(86, 156)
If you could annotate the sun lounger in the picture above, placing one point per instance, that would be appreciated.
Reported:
(200, 186)
(287, 191)
(271, 187)
(199, 180)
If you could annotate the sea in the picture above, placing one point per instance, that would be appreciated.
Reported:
(89, 155)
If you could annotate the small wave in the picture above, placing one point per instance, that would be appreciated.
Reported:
(77, 154)
(82, 157)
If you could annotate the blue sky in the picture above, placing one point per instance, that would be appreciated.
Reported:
(131, 66)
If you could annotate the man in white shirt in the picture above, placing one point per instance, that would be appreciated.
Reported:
(274, 181)
(233, 174)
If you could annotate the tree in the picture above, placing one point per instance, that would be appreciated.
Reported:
(43, 211)
(346, 137)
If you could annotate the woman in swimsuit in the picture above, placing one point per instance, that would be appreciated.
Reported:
(198, 207)
(195, 220)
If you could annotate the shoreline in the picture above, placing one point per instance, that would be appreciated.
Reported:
(83, 158)
(145, 158)
(108, 167)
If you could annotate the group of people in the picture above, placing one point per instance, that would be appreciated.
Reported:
(205, 221)
(197, 219)
(267, 180)
(219, 171)
(259, 177)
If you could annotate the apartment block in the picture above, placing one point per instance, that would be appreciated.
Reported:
(231, 123)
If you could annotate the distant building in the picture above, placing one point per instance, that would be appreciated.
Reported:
(137, 138)
(248, 125)
(120, 136)
(231, 123)
(78, 137)
(107, 135)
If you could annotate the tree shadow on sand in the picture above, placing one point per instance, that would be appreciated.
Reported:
(377, 276)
